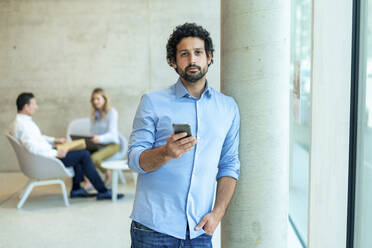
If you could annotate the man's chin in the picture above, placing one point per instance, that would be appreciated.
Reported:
(192, 79)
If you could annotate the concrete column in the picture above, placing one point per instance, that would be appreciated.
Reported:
(255, 71)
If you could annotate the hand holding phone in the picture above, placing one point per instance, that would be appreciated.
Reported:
(178, 144)
(182, 128)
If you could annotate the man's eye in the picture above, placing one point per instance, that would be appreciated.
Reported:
(184, 54)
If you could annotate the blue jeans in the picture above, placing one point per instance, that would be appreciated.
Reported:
(144, 237)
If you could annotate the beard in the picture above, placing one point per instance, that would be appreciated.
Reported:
(193, 76)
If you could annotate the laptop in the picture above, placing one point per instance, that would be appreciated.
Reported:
(91, 147)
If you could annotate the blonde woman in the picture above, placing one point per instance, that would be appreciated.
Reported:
(104, 127)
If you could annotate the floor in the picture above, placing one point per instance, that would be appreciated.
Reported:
(44, 221)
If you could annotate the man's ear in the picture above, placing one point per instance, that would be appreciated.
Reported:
(209, 58)
(174, 64)
(25, 108)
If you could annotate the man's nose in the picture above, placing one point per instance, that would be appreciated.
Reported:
(192, 58)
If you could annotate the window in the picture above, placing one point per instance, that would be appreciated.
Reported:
(363, 203)
(300, 86)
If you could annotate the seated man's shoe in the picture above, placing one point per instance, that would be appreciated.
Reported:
(108, 195)
(80, 193)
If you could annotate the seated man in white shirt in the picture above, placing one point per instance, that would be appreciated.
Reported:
(25, 130)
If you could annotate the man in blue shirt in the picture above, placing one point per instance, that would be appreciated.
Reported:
(173, 205)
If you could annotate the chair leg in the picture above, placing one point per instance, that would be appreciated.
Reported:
(122, 177)
(25, 194)
(24, 188)
(32, 184)
(64, 192)
(114, 184)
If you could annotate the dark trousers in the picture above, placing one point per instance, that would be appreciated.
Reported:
(144, 237)
(82, 163)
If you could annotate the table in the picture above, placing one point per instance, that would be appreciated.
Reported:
(115, 166)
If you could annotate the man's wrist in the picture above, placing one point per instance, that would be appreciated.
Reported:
(219, 212)
(164, 153)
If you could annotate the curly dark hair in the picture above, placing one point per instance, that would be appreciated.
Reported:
(188, 30)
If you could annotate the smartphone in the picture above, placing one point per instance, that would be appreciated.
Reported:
(182, 127)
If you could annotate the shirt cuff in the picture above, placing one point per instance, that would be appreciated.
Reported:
(106, 138)
(228, 172)
(53, 153)
(134, 156)
(49, 139)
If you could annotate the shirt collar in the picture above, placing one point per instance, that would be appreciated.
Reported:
(182, 92)
(23, 116)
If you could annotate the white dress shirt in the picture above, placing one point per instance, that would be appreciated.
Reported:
(25, 130)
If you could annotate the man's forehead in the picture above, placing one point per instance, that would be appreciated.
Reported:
(192, 48)
(190, 43)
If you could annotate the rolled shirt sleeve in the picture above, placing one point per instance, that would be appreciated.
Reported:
(229, 164)
(143, 134)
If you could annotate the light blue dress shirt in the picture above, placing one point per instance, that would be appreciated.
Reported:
(106, 128)
(182, 191)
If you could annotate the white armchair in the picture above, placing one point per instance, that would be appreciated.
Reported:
(40, 170)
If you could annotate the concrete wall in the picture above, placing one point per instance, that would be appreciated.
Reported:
(61, 50)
